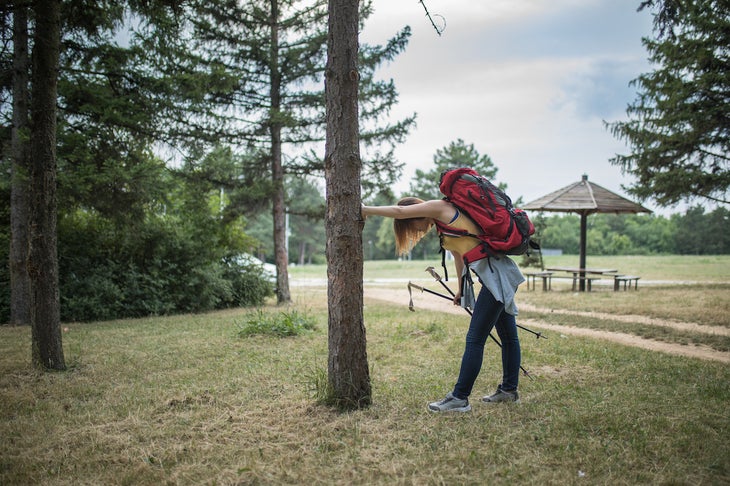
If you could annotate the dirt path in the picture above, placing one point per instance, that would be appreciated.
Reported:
(421, 301)
(651, 321)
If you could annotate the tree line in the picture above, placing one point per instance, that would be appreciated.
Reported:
(181, 130)
(182, 259)
(696, 232)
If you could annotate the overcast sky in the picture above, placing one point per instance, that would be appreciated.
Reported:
(528, 82)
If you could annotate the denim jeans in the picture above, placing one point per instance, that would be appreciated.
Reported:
(489, 313)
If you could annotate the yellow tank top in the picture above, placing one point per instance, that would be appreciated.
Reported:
(461, 244)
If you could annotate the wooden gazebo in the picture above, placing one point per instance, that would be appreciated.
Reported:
(584, 197)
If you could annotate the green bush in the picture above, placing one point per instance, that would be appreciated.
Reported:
(161, 268)
(249, 287)
(283, 324)
(93, 295)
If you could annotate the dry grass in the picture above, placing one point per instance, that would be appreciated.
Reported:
(185, 400)
(706, 304)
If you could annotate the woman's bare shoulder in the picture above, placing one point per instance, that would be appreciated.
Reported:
(441, 209)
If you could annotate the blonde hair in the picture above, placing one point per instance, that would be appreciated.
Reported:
(407, 234)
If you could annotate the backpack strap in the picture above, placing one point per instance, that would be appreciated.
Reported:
(443, 263)
(477, 253)
(447, 230)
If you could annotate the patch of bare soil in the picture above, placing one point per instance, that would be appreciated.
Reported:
(421, 301)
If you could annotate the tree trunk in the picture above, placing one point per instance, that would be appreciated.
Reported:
(302, 252)
(20, 299)
(281, 254)
(348, 373)
(47, 349)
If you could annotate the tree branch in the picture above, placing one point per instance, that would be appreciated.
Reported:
(428, 14)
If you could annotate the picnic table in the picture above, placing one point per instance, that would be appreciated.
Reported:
(587, 275)
(545, 276)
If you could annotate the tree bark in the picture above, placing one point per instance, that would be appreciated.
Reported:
(348, 372)
(47, 349)
(20, 312)
(281, 253)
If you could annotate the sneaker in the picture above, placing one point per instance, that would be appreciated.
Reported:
(502, 396)
(450, 404)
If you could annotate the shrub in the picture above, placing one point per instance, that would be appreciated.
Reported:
(249, 285)
(107, 272)
(282, 324)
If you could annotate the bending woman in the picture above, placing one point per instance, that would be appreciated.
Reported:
(494, 306)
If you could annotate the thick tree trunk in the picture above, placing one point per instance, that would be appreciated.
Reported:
(20, 299)
(348, 373)
(47, 349)
(281, 253)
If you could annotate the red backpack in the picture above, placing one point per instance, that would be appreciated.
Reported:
(506, 230)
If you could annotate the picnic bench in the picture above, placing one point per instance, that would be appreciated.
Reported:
(587, 275)
(626, 280)
(545, 276)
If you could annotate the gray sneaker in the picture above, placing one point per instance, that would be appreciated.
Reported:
(450, 404)
(502, 396)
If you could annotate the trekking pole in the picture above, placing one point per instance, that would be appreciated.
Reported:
(423, 289)
(443, 296)
(436, 276)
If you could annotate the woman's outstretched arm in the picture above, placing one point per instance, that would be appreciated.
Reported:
(436, 209)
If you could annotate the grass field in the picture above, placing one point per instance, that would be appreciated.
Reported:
(674, 268)
(188, 400)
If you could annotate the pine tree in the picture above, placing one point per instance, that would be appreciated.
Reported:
(20, 291)
(679, 126)
(47, 348)
(348, 372)
(278, 48)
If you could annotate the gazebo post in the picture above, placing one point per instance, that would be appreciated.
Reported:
(582, 257)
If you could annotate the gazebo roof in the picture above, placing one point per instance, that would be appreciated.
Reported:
(586, 198)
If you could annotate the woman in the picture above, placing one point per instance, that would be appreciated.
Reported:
(494, 307)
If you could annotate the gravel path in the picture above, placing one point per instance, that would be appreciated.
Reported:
(421, 301)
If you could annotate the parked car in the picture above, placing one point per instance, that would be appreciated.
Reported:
(268, 270)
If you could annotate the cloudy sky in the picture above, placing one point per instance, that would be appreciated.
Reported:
(528, 82)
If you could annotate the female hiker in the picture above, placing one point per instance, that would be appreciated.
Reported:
(494, 306)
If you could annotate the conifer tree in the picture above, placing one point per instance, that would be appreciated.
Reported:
(20, 296)
(47, 348)
(278, 48)
(348, 371)
(679, 125)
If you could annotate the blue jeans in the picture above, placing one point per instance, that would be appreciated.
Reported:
(489, 313)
